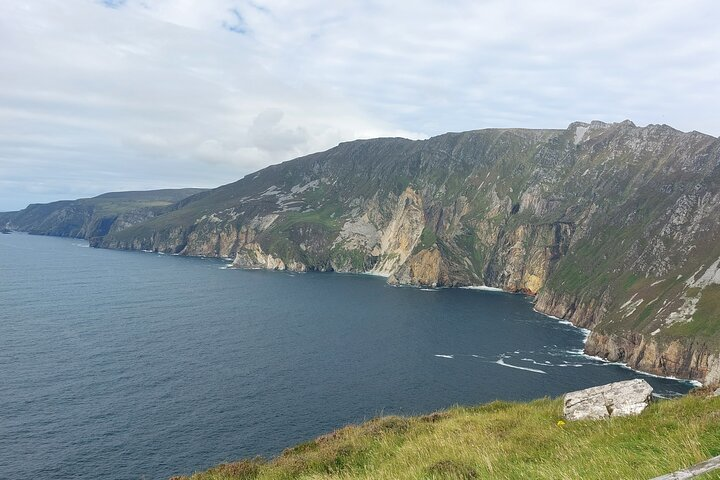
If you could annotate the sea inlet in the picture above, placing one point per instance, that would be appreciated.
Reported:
(134, 365)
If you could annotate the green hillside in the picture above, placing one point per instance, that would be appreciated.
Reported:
(93, 217)
(501, 441)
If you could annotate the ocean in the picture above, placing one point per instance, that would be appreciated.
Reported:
(136, 365)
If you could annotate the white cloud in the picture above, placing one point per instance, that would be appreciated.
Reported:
(159, 93)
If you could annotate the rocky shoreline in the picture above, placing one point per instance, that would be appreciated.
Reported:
(677, 361)
(612, 227)
(690, 361)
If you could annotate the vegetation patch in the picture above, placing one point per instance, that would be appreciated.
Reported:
(352, 259)
(705, 322)
(427, 239)
(502, 440)
(451, 469)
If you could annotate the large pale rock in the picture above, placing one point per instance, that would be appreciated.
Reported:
(400, 236)
(612, 400)
(252, 256)
(424, 268)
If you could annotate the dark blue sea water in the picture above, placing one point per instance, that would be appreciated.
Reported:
(137, 365)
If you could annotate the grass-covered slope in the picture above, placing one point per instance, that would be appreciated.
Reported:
(502, 441)
(92, 217)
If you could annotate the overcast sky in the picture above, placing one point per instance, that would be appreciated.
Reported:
(100, 96)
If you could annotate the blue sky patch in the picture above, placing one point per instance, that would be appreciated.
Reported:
(113, 3)
(238, 24)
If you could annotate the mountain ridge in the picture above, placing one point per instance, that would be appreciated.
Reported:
(94, 216)
(611, 226)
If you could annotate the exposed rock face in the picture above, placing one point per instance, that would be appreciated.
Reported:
(252, 256)
(424, 268)
(684, 358)
(523, 258)
(401, 234)
(617, 399)
(581, 311)
(614, 227)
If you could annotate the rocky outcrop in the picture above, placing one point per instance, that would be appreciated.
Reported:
(582, 312)
(617, 399)
(425, 268)
(684, 358)
(401, 234)
(251, 256)
(524, 256)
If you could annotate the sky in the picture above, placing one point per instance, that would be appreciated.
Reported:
(110, 95)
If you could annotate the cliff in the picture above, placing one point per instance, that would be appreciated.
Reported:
(612, 226)
(93, 217)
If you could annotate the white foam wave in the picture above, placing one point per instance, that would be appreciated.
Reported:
(484, 288)
(604, 361)
(375, 274)
(444, 356)
(694, 383)
(581, 352)
(550, 364)
(501, 361)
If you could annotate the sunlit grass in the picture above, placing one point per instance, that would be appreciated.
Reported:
(504, 441)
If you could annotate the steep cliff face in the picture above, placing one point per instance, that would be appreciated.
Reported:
(684, 358)
(425, 268)
(94, 217)
(401, 234)
(612, 226)
(252, 256)
(524, 256)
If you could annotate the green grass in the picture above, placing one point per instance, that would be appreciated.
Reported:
(501, 440)
(427, 239)
(353, 258)
(704, 323)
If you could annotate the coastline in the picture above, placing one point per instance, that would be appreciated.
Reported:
(586, 332)
(484, 288)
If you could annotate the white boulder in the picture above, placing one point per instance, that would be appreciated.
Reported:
(612, 400)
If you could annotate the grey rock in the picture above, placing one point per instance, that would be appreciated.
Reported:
(617, 399)
(716, 393)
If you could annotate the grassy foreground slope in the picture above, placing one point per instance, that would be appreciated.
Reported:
(502, 440)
